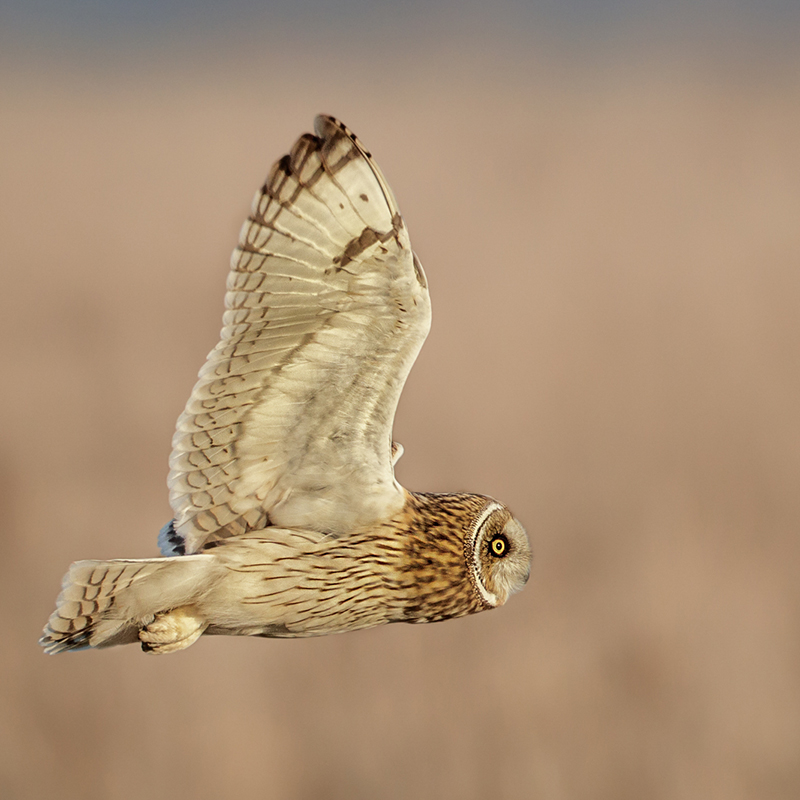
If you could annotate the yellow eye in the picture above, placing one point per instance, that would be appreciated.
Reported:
(498, 546)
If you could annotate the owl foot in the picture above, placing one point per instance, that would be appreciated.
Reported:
(171, 631)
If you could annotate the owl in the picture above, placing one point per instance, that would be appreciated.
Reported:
(288, 520)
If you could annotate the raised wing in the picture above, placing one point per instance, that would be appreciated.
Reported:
(327, 308)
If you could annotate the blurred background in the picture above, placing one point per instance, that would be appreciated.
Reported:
(606, 199)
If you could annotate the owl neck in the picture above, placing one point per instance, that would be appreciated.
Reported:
(434, 573)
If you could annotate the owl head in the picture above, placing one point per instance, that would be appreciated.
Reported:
(498, 553)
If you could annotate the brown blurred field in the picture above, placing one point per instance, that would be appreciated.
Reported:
(613, 249)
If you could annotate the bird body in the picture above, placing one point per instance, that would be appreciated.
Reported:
(288, 518)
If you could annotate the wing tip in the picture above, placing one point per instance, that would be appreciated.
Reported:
(327, 127)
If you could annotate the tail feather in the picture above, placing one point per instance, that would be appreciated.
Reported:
(104, 603)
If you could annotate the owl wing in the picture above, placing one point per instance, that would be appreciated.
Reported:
(327, 308)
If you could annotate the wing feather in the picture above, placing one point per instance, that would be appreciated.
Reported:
(326, 310)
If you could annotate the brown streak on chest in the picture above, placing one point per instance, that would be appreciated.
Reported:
(433, 568)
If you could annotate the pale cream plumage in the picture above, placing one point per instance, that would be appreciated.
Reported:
(288, 517)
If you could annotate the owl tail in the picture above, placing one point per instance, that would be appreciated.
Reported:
(104, 603)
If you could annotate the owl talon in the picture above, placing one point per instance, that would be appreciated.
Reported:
(171, 631)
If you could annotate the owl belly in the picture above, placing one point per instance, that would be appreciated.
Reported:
(284, 583)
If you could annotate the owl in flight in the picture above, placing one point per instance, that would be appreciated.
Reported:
(288, 518)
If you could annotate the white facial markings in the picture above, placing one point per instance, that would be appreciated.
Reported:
(489, 597)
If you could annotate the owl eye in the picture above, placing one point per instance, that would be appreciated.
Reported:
(498, 546)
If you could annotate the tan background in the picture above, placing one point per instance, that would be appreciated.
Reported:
(612, 237)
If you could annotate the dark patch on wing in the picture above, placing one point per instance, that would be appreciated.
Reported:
(368, 237)
(355, 247)
(212, 544)
(170, 542)
(241, 525)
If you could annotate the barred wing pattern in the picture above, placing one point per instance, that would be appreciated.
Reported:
(327, 308)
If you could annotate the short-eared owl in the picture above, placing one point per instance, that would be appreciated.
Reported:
(288, 518)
